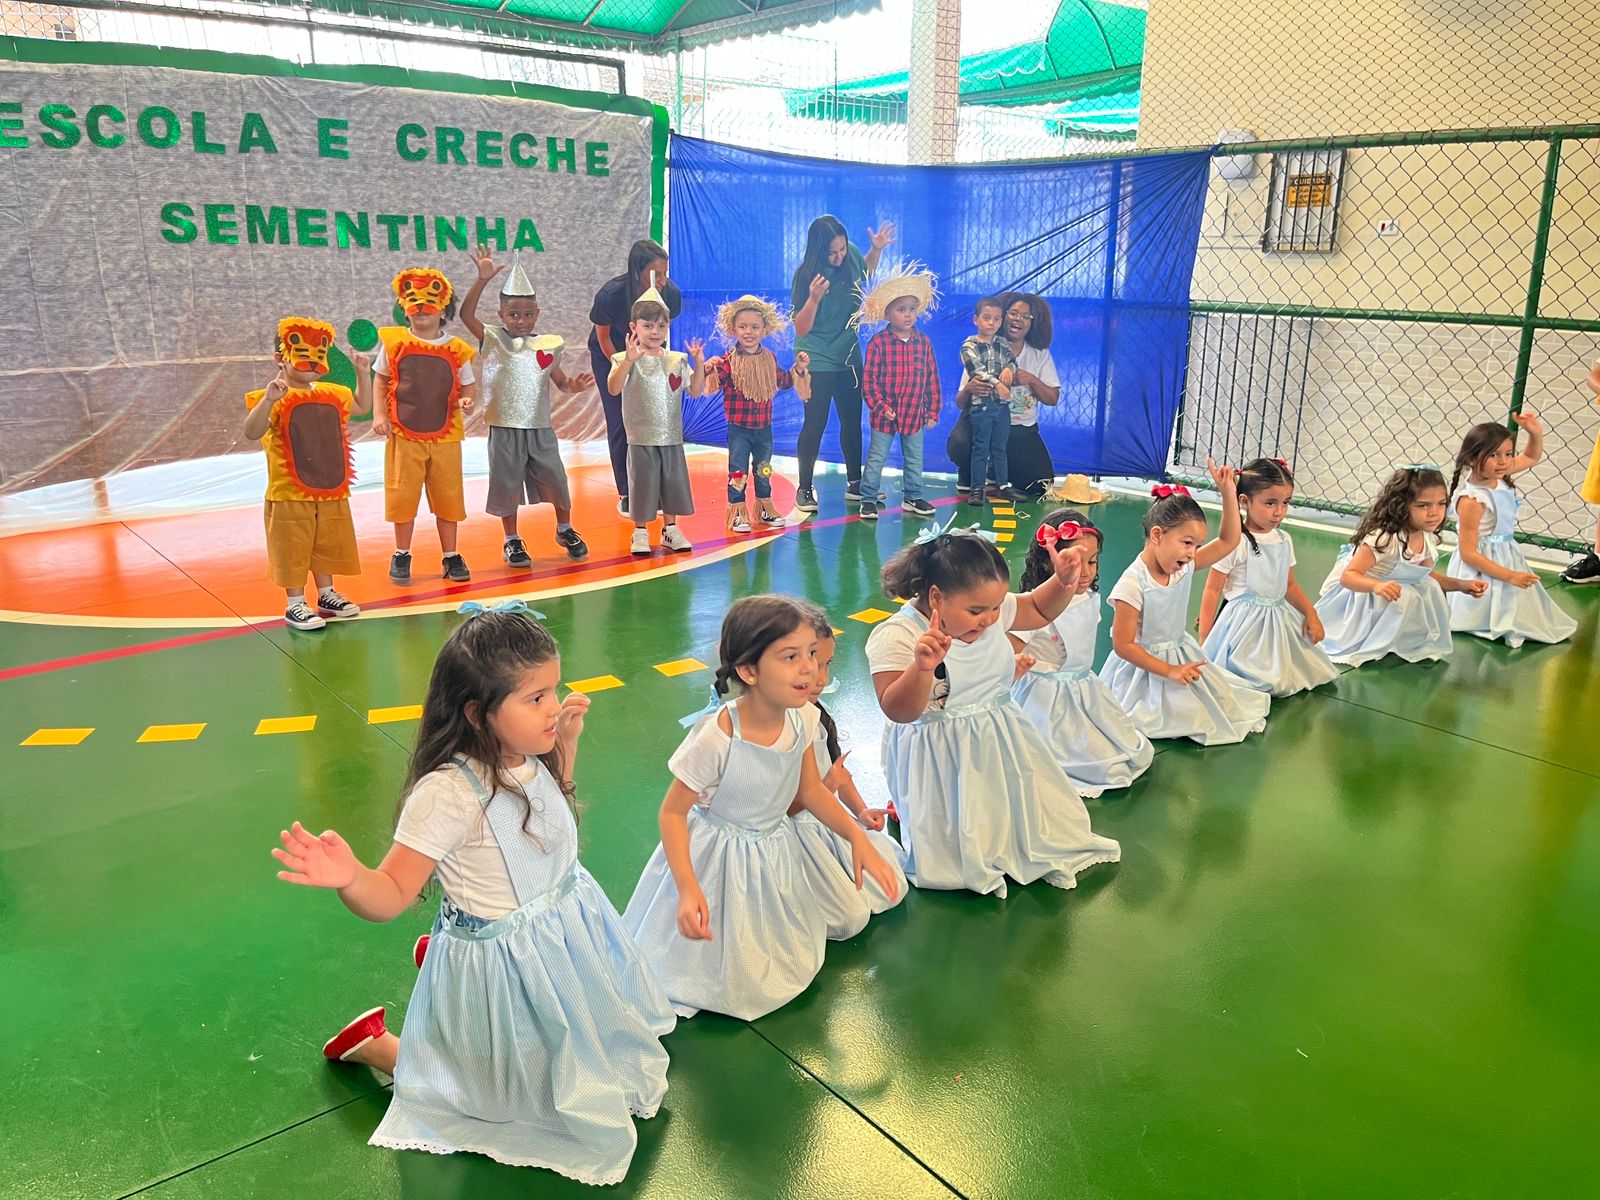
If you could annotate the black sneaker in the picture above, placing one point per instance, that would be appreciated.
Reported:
(331, 604)
(869, 511)
(299, 616)
(575, 546)
(917, 508)
(514, 552)
(1011, 496)
(1585, 570)
(975, 500)
(455, 568)
(400, 567)
(852, 493)
(806, 500)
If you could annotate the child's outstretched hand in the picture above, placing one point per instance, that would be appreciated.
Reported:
(633, 347)
(1390, 591)
(1528, 421)
(697, 352)
(694, 915)
(1224, 477)
(932, 646)
(580, 381)
(802, 363)
(569, 725)
(1523, 579)
(873, 818)
(325, 862)
(865, 860)
(1067, 564)
(882, 236)
(1477, 587)
(277, 388)
(1312, 628)
(484, 261)
(362, 363)
(1185, 673)
(1025, 663)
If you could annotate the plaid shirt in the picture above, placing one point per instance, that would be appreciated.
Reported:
(740, 409)
(900, 383)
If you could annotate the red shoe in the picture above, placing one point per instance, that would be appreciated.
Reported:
(367, 1027)
(420, 950)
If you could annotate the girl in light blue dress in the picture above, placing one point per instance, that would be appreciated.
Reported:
(1091, 736)
(725, 912)
(533, 1034)
(1515, 608)
(980, 796)
(1385, 595)
(1269, 632)
(1156, 669)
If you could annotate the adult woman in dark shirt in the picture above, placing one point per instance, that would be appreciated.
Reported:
(1028, 326)
(823, 298)
(613, 308)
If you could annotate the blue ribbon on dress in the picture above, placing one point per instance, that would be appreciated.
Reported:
(933, 532)
(471, 608)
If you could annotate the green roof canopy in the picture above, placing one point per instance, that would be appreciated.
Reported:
(643, 25)
(1094, 49)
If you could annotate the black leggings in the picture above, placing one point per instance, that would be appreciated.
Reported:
(1028, 459)
(616, 435)
(841, 390)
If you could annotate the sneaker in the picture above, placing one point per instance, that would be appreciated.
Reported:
(672, 538)
(300, 616)
(400, 567)
(869, 511)
(1585, 570)
(640, 543)
(975, 500)
(331, 604)
(769, 516)
(420, 950)
(455, 568)
(738, 521)
(574, 545)
(1010, 495)
(367, 1027)
(806, 500)
(917, 508)
(622, 507)
(852, 493)
(515, 553)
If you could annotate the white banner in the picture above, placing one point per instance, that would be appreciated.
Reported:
(158, 222)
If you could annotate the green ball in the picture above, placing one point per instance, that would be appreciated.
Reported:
(362, 334)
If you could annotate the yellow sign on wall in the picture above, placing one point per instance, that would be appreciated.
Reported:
(1309, 191)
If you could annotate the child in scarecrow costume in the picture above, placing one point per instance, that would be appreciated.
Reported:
(303, 424)
(900, 380)
(518, 368)
(749, 377)
(425, 382)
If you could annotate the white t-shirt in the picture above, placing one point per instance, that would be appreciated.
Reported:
(1024, 408)
(1384, 560)
(701, 760)
(380, 366)
(1130, 588)
(1232, 563)
(892, 646)
(444, 819)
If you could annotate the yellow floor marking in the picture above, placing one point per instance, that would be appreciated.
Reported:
(837, 632)
(172, 733)
(599, 683)
(1005, 512)
(387, 716)
(870, 616)
(680, 666)
(1002, 537)
(1002, 523)
(56, 737)
(286, 725)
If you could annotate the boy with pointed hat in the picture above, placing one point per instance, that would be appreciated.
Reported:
(518, 368)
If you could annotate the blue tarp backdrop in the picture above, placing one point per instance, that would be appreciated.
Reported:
(1110, 244)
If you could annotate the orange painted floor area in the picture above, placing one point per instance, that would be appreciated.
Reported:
(210, 568)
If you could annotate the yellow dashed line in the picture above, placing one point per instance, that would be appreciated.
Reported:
(1002, 537)
(870, 616)
(172, 733)
(1004, 512)
(56, 737)
(837, 631)
(1003, 523)
(271, 725)
(680, 666)
(387, 716)
(599, 683)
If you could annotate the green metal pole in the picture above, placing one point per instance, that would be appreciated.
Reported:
(1541, 245)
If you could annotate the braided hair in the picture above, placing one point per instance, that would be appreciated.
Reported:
(823, 628)
(1257, 476)
(1479, 442)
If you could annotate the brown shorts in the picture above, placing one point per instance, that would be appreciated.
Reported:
(409, 466)
(309, 536)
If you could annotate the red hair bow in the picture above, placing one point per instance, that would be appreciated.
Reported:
(1282, 462)
(1067, 531)
(1162, 490)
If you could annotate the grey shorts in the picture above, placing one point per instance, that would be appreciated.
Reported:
(525, 467)
(658, 481)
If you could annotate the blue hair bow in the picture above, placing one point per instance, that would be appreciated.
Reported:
(1419, 467)
(471, 608)
(700, 714)
(932, 532)
(830, 689)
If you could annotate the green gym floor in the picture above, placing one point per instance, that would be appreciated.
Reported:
(1356, 956)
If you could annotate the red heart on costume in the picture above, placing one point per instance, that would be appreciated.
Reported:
(674, 382)
(544, 358)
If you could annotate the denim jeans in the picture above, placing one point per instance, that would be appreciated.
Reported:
(749, 450)
(878, 454)
(991, 433)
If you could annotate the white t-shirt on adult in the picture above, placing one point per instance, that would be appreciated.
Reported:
(1024, 409)
(1232, 563)
(892, 646)
(444, 819)
(380, 366)
(702, 760)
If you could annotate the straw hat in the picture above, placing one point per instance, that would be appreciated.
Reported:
(889, 283)
(1074, 489)
(772, 321)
